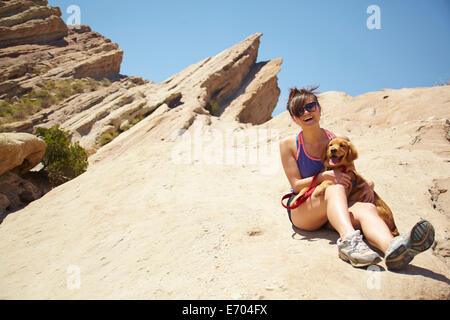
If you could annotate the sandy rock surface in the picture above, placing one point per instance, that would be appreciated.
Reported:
(185, 204)
(169, 220)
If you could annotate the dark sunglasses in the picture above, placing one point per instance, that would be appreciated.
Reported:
(310, 107)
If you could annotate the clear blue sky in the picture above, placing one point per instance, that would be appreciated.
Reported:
(321, 42)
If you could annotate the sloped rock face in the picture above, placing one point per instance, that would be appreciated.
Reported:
(231, 86)
(23, 22)
(140, 224)
(257, 95)
(145, 222)
(36, 46)
(232, 79)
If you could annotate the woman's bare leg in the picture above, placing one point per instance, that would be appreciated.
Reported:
(316, 211)
(333, 207)
(311, 215)
(337, 209)
(373, 227)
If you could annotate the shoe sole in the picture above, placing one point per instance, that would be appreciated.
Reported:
(421, 239)
(357, 264)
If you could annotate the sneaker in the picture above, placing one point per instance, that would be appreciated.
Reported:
(403, 248)
(354, 250)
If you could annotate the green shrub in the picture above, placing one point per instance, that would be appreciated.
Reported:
(48, 94)
(106, 82)
(213, 108)
(78, 87)
(63, 160)
(108, 137)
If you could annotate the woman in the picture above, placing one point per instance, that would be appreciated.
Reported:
(300, 157)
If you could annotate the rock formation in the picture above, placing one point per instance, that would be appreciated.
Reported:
(30, 21)
(185, 202)
(246, 90)
(36, 46)
(19, 152)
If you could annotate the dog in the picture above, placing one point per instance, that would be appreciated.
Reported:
(340, 154)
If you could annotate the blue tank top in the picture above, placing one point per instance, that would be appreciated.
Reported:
(307, 165)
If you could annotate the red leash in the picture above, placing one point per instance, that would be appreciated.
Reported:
(302, 198)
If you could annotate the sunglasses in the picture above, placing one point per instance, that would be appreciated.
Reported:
(310, 107)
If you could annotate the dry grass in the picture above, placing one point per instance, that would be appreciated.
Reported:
(50, 93)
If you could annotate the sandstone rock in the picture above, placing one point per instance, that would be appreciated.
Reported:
(259, 93)
(232, 75)
(4, 203)
(162, 169)
(36, 46)
(20, 151)
(24, 22)
(83, 53)
(122, 219)
(15, 192)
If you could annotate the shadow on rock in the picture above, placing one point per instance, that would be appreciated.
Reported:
(415, 270)
(322, 233)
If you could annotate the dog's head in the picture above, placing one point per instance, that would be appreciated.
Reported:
(339, 153)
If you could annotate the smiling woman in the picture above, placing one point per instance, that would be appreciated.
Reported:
(301, 158)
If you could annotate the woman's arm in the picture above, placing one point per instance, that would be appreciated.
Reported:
(289, 162)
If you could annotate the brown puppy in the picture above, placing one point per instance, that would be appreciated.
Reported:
(340, 155)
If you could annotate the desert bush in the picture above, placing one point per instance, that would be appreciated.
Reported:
(105, 82)
(78, 87)
(213, 108)
(47, 94)
(108, 137)
(63, 160)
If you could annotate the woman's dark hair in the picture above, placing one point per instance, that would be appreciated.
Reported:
(298, 98)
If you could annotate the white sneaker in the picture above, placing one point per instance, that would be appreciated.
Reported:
(354, 250)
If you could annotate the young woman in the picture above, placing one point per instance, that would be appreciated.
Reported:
(300, 157)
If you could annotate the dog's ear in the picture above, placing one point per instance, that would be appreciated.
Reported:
(352, 154)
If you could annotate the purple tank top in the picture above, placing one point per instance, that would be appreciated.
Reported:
(307, 165)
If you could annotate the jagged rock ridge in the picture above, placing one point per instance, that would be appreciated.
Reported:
(37, 46)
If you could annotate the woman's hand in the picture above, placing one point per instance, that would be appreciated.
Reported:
(367, 194)
(337, 177)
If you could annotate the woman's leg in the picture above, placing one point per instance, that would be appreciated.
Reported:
(333, 207)
(375, 230)
(316, 211)
(337, 209)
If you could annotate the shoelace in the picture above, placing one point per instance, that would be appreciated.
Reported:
(358, 243)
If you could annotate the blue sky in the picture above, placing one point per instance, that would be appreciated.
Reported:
(321, 42)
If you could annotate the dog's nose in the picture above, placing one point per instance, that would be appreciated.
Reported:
(333, 150)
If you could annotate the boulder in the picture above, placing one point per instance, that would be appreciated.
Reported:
(20, 152)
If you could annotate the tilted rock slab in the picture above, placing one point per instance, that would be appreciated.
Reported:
(26, 21)
(246, 90)
(37, 46)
